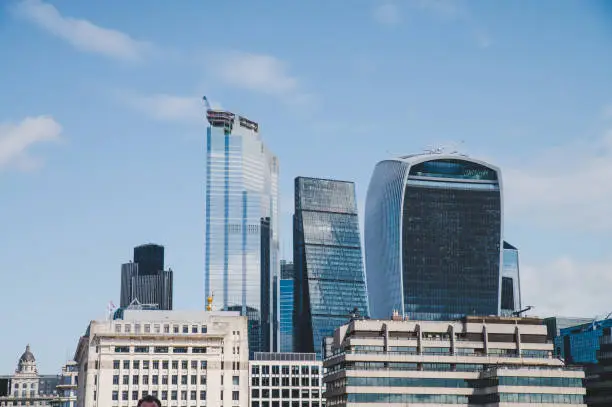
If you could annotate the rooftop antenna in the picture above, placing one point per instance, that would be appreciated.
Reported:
(206, 103)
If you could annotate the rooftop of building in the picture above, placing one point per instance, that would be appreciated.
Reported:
(135, 315)
(284, 356)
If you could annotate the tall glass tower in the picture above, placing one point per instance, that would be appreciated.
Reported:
(329, 275)
(286, 307)
(511, 281)
(433, 236)
(242, 242)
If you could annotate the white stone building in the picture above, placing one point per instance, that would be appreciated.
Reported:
(286, 380)
(26, 387)
(184, 358)
(479, 361)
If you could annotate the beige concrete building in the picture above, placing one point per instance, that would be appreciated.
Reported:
(490, 361)
(184, 358)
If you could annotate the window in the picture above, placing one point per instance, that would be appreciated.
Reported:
(285, 393)
(126, 364)
(155, 379)
(236, 380)
(141, 349)
(160, 349)
(202, 394)
(175, 329)
(193, 395)
(156, 365)
(305, 381)
(198, 350)
(156, 328)
(275, 369)
(122, 349)
(295, 381)
(194, 329)
(135, 395)
(184, 395)
(204, 330)
(194, 379)
(194, 364)
(305, 393)
(145, 364)
(265, 369)
(126, 379)
(173, 395)
(203, 380)
(304, 369)
(135, 379)
(136, 364)
(203, 365)
(184, 365)
(255, 381)
(184, 379)
(185, 329)
(179, 349)
(128, 329)
(115, 395)
(166, 329)
(314, 370)
(124, 395)
(275, 382)
(165, 365)
(175, 364)
(295, 370)
(235, 395)
(265, 381)
(174, 379)
(116, 379)
(265, 393)
(275, 393)
(255, 369)
(164, 395)
(255, 393)
(147, 328)
(285, 369)
(165, 379)
(285, 381)
(116, 364)
(145, 379)
(295, 394)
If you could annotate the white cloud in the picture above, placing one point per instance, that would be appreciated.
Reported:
(567, 287)
(82, 34)
(569, 186)
(260, 73)
(387, 14)
(167, 107)
(17, 139)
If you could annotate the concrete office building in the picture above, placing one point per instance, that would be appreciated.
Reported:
(242, 230)
(184, 358)
(67, 386)
(433, 237)
(286, 380)
(478, 361)
(145, 281)
(26, 387)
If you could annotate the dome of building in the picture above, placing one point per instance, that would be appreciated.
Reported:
(27, 356)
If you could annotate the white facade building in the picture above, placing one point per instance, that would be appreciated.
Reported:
(184, 358)
(479, 361)
(26, 387)
(286, 380)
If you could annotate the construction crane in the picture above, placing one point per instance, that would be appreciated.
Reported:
(206, 103)
(518, 313)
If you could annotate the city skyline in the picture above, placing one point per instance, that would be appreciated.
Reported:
(101, 143)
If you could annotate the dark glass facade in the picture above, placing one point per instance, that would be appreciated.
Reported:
(286, 307)
(511, 282)
(433, 238)
(150, 258)
(329, 274)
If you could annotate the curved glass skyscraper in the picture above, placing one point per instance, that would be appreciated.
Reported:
(433, 236)
(242, 224)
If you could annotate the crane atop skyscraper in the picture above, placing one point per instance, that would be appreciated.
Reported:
(206, 103)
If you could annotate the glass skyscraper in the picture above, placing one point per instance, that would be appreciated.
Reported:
(511, 281)
(242, 263)
(433, 236)
(286, 307)
(329, 275)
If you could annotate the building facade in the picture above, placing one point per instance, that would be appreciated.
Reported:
(554, 325)
(510, 281)
(478, 361)
(67, 386)
(329, 275)
(433, 237)
(195, 358)
(242, 214)
(599, 376)
(286, 307)
(145, 280)
(286, 380)
(26, 387)
(579, 344)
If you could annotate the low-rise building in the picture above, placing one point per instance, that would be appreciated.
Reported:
(478, 361)
(67, 386)
(286, 380)
(184, 358)
(27, 387)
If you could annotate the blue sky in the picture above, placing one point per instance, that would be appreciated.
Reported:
(102, 132)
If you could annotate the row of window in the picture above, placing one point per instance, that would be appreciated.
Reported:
(165, 328)
(286, 403)
(285, 381)
(409, 366)
(163, 379)
(162, 349)
(265, 369)
(173, 395)
(285, 393)
(413, 350)
(146, 364)
(531, 381)
(529, 398)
